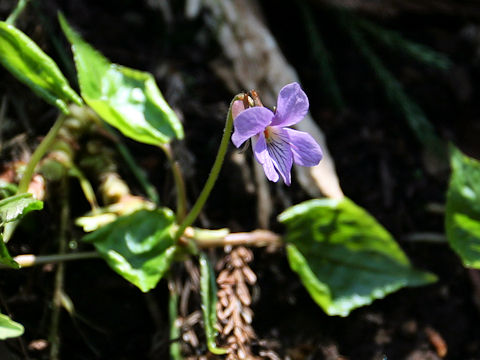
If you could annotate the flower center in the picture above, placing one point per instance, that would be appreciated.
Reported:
(267, 132)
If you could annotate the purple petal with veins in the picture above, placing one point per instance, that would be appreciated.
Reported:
(306, 151)
(279, 150)
(276, 147)
(263, 157)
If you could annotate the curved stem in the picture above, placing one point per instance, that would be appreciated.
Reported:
(179, 183)
(30, 169)
(39, 153)
(212, 178)
(86, 186)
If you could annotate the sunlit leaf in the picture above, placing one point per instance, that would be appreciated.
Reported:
(127, 99)
(29, 64)
(11, 209)
(14, 207)
(138, 246)
(208, 292)
(9, 328)
(343, 256)
(462, 218)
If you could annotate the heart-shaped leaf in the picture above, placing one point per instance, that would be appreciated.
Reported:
(127, 99)
(29, 64)
(138, 246)
(343, 256)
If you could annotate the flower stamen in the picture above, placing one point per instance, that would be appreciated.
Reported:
(266, 133)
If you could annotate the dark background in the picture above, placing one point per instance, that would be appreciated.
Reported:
(380, 163)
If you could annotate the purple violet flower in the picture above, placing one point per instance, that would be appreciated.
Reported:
(277, 147)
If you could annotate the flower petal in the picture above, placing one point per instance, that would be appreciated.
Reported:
(279, 150)
(292, 105)
(306, 151)
(250, 122)
(237, 107)
(262, 156)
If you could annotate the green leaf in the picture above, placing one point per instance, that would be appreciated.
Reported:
(11, 209)
(29, 64)
(9, 328)
(138, 246)
(14, 207)
(5, 257)
(343, 256)
(127, 99)
(208, 292)
(462, 217)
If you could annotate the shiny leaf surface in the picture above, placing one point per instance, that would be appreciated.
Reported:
(14, 207)
(138, 246)
(343, 256)
(127, 99)
(29, 64)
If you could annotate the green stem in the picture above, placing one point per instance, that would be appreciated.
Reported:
(60, 274)
(39, 153)
(29, 260)
(86, 186)
(212, 178)
(179, 183)
(175, 351)
(16, 12)
(30, 169)
(203, 238)
(138, 172)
